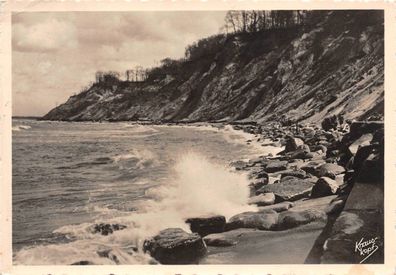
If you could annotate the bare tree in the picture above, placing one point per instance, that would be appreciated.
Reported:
(255, 21)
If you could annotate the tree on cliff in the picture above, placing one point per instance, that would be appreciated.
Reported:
(259, 20)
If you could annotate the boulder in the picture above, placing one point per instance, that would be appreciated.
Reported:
(290, 219)
(361, 155)
(290, 190)
(279, 207)
(175, 246)
(362, 141)
(334, 153)
(299, 173)
(308, 132)
(275, 166)
(335, 207)
(303, 147)
(295, 164)
(324, 187)
(108, 253)
(283, 179)
(292, 143)
(261, 175)
(319, 204)
(207, 225)
(330, 175)
(220, 241)
(255, 161)
(329, 123)
(330, 168)
(259, 220)
(262, 199)
(106, 228)
(229, 238)
(320, 147)
(311, 167)
(256, 185)
(359, 128)
(301, 154)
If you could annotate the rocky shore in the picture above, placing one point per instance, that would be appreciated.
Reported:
(320, 200)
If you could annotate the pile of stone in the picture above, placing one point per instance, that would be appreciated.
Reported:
(314, 179)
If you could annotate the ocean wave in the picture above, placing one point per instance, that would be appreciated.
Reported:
(196, 187)
(143, 158)
(21, 127)
(94, 162)
(138, 128)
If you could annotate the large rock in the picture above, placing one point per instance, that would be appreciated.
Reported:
(331, 122)
(279, 207)
(256, 185)
(287, 178)
(335, 207)
(324, 187)
(290, 219)
(261, 175)
(275, 166)
(175, 246)
(290, 190)
(312, 167)
(359, 128)
(258, 161)
(362, 154)
(229, 238)
(262, 199)
(294, 164)
(106, 228)
(319, 147)
(292, 143)
(299, 173)
(301, 154)
(328, 168)
(109, 254)
(207, 225)
(319, 204)
(362, 141)
(259, 220)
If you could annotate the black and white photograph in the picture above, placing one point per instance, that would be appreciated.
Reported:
(199, 137)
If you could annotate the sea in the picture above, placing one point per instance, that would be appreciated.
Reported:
(69, 176)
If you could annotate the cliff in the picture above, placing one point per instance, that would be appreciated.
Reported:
(304, 73)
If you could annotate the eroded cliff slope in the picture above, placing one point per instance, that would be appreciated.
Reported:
(304, 73)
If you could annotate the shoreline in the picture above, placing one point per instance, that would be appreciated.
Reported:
(301, 193)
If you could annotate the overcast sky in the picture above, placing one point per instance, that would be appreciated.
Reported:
(55, 54)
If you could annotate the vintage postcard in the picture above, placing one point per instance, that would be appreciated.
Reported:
(197, 138)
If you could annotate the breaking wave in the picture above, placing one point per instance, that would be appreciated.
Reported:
(197, 187)
(143, 158)
(21, 127)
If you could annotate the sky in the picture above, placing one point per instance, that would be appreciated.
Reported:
(56, 54)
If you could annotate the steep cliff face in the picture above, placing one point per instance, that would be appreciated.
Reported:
(302, 74)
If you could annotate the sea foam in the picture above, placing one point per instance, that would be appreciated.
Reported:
(197, 187)
(21, 127)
